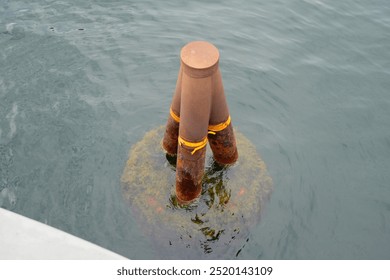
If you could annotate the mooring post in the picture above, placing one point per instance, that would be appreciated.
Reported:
(198, 114)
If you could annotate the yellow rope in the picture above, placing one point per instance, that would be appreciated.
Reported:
(195, 145)
(174, 116)
(213, 129)
(218, 127)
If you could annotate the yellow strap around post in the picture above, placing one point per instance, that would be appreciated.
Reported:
(213, 129)
(195, 145)
(174, 116)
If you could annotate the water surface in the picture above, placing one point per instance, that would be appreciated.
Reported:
(306, 81)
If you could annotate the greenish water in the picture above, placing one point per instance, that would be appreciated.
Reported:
(307, 82)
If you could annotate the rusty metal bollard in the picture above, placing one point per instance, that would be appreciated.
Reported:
(198, 114)
(172, 128)
(221, 135)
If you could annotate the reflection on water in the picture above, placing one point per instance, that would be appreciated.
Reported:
(218, 223)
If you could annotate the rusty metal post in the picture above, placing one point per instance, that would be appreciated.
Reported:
(171, 134)
(199, 60)
(221, 135)
(198, 114)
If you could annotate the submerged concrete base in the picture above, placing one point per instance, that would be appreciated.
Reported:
(22, 238)
(217, 225)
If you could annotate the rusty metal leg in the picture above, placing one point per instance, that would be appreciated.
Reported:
(199, 60)
(171, 134)
(223, 145)
(221, 135)
(189, 173)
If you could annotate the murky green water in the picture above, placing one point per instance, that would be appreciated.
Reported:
(307, 82)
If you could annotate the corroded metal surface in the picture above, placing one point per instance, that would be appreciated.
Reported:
(198, 105)
(189, 173)
(170, 137)
(223, 145)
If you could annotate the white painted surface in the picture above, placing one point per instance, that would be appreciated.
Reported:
(22, 238)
